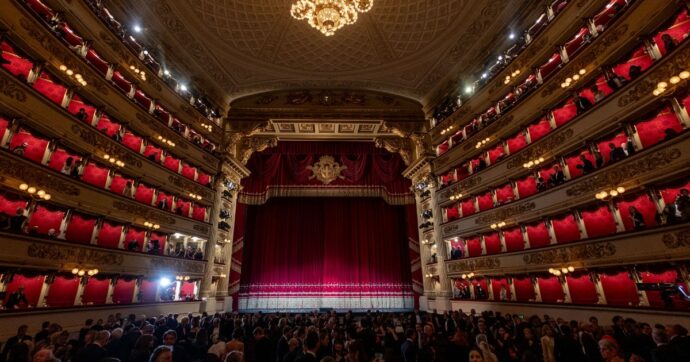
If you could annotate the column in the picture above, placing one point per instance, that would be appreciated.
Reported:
(600, 289)
(178, 287)
(111, 289)
(80, 291)
(137, 288)
(642, 294)
(537, 290)
(44, 291)
(210, 249)
(566, 289)
(443, 291)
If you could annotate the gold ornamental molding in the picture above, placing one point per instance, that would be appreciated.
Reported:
(678, 239)
(326, 170)
(66, 254)
(540, 149)
(249, 145)
(40, 178)
(401, 146)
(571, 253)
(505, 213)
(474, 264)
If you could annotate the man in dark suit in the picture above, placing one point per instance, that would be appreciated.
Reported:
(262, 346)
(178, 352)
(311, 345)
(283, 348)
(295, 351)
(409, 348)
(94, 351)
(19, 338)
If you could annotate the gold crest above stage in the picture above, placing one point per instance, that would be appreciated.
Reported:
(326, 170)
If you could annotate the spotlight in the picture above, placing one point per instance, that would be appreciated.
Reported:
(183, 87)
(511, 36)
(468, 89)
(164, 282)
(137, 28)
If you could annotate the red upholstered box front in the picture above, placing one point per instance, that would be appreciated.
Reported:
(504, 194)
(452, 212)
(566, 229)
(605, 16)
(516, 143)
(582, 289)
(493, 243)
(71, 36)
(538, 235)
(598, 221)
(123, 291)
(539, 129)
(9, 204)
(552, 64)
(678, 31)
(35, 147)
(97, 62)
(95, 175)
(574, 45)
(118, 184)
(654, 130)
(107, 125)
(172, 163)
(442, 148)
(63, 291)
(643, 203)
(59, 157)
(80, 228)
(485, 201)
(564, 113)
(19, 65)
(121, 82)
(95, 291)
(639, 57)
(496, 154)
(527, 186)
(132, 141)
(550, 289)
(144, 194)
(50, 88)
(496, 284)
(46, 218)
(513, 239)
(474, 246)
(524, 290)
(619, 289)
(32, 287)
(142, 99)
(467, 207)
(109, 235)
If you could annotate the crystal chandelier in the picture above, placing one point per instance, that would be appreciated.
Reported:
(329, 15)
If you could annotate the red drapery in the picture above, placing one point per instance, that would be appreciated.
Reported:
(44, 219)
(76, 104)
(496, 284)
(282, 171)
(485, 201)
(32, 287)
(513, 239)
(582, 290)
(678, 31)
(527, 186)
(467, 207)
(598, 221)
(524, 290)
(50, 88)
(95, 291)
(539, 129)
(493, 243)
(344, 253)
(474, 246)
(123, 291)
(565, 228)
(9, 204)
(62, 291)
(643, 203)
(148, 290)
(18, 65)
(662, 274)
(80, 228)
(550, 289)
(109, 235)
(658, 128)
(504, 194)
(517, 142)
(538, 235)
(619, 289)
(34, 147)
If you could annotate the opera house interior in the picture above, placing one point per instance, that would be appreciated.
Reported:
(344, 180)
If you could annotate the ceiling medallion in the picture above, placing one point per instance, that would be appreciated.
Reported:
(329, 15)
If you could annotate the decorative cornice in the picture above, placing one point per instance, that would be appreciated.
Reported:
(402, 146)
(540, 149)
(505, 213)
(474, 264)
(73, 254)
(105, 144)
(33, 176)
(678, 239)
(10, 89)
(253, 144)
(144, 212)
(571, 254)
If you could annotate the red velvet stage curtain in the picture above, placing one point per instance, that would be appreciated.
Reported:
(524, 289)
(238, 251)
(504, 194)
(643, 203)
(639, 57)
(538, 235)
(18, 65)
(109, 235)
(95, 291)
(565, 228)
(565, 112)
(123, 291)
(95, 175)
(485, 201)
(582, 290)
(652, 131)
(527, 186)
(45, 219)
(619, 289)
(107, 125)
(493, 243)
(285, 166)
(678, 30)
(50, 88)
(32, 287)
(80, 228)
(9, 204)
(516, 143)
(148, 291)
(474, 246)
(599, 221)
(77, 103)
(539, 129)
(62, 291)
(496, 284)
(467, 207)
(345, 253)
(513, 239)
(551, 290)
(35, 147)
(132, 141)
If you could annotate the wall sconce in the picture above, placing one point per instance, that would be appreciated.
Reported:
(448, 129)
(562, 271)
(35, 192)
(82, 272)
(455, 196)
(182, 278)
(661, 86)
(603, 195)
(533, 163)
(467, 276)
(208, 127)
(574, 78)
(77, 77)
(482, 142)
(152, 225)
(113, 160)
(139, 72)
(194, 196)
(512, 75)
(166, 141)
(498, 225)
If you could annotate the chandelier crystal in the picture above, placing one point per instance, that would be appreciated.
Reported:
(329, 15)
